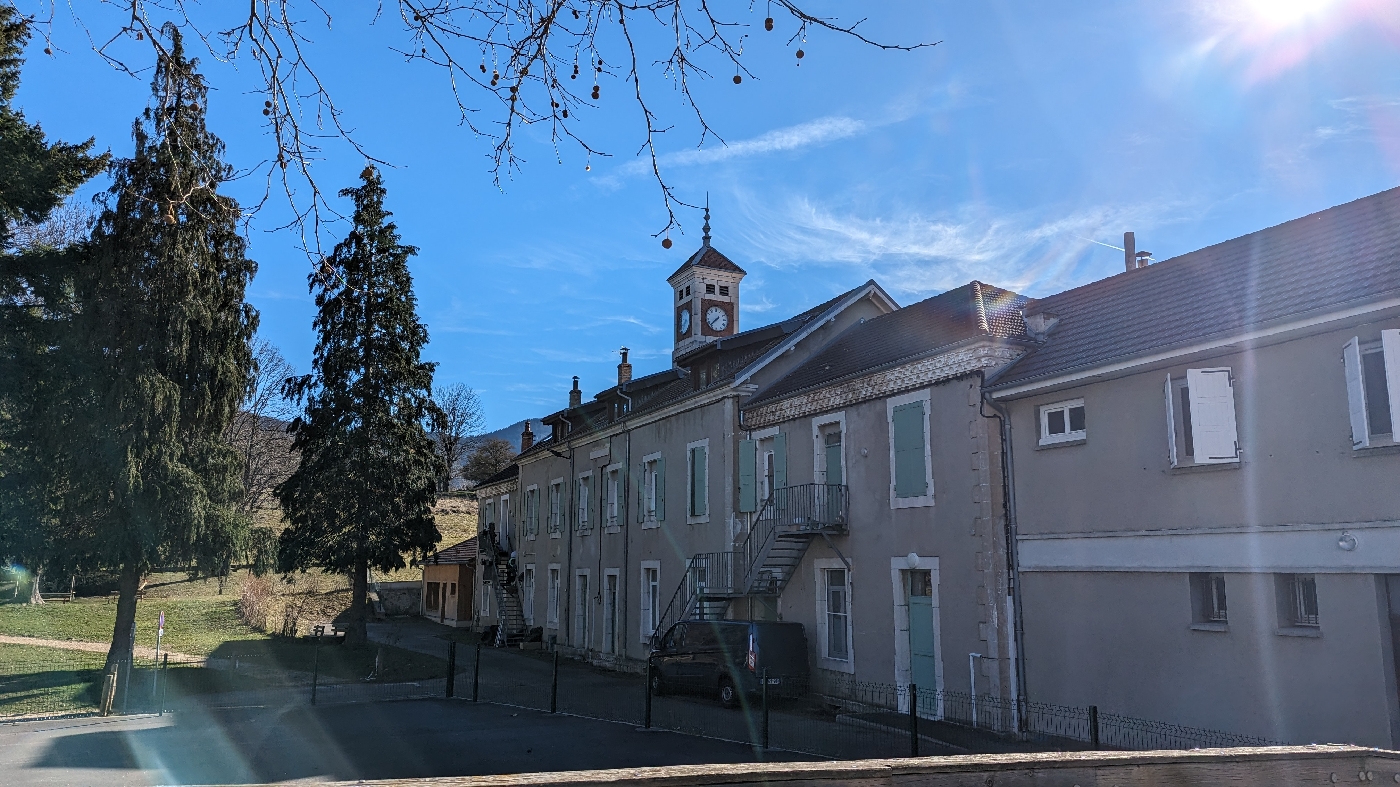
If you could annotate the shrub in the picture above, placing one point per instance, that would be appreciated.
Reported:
(255, 602)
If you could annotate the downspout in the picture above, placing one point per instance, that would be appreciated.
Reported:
(1013, 576)
(626, 531)
(568, 579)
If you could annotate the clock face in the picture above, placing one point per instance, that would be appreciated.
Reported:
(685, 322)
(716, 318)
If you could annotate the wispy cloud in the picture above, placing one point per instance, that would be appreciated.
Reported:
(922, 254)
(803, 135)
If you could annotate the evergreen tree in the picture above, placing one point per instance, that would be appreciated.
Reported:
(161, 347)
(363, 492)
(35, 304)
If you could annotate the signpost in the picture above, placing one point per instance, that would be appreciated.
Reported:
(155, 673)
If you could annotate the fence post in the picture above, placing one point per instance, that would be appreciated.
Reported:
(913, 720)
(315, 668)
(126, 688)
(554, 686)
(164, 680)
(476, 674)
(646, 716)
(109, 692)
(451, 667)
(1094, 726)
(764, 692)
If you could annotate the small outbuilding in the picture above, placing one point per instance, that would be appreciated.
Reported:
(448, 581)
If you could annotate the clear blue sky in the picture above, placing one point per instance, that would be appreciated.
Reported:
(1034, 129)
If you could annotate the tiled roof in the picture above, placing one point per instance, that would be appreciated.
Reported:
(970, 311)
(461, 552)
(1339, 255)
(708, 256)
(510, 471)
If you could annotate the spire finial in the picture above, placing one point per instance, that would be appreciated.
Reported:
(705, 239)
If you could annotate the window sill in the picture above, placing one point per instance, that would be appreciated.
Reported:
(1377, 448)
(1205, 468)
(1219, 628)
(836, 665)
(650, 524)
(556, 534)
(697, 520)
(1062, 443)
(922, 501)
(612, 529)
(1299, 631)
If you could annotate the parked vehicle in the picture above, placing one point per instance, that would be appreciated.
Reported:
(729, 657)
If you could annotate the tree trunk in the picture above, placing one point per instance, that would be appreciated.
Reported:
(128, 585)
(359, 589)
(35, 597)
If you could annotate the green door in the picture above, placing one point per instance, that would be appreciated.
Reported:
(923, 661)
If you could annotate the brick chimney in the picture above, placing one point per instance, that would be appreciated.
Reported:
(624, 369)
(1129, 251)
(527, 437)
(575, 396)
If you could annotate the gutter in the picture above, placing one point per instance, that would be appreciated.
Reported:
(1013, 576)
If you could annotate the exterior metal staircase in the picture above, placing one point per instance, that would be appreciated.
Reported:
(510, 617)
(791, 518)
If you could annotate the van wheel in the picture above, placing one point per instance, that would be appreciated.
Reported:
(658, 686)
(728, 695)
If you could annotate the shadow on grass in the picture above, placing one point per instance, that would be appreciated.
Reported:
(49, 691)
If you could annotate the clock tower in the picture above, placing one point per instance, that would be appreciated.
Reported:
(705, 297)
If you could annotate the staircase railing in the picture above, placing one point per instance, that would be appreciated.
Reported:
(712, 575)
(793, 509)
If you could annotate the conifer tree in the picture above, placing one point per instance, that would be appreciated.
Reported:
(363, 492)
(36, 175)
(161, 346)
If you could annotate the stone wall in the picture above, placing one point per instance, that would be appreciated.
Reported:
(400, 598)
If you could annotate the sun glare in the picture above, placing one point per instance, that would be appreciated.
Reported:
(1284, 13)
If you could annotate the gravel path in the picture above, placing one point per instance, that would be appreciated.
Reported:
(95, 647)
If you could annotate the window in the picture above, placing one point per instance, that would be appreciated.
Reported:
(581, 607)
(911, 462)
(651, 494)
(1204, 431)
(585, 499)
(527, 591)
(651, 598)
(836, 598)
(556, 507)
(453, 590)
(709, 289)
(505, 522)
(680, 294)
(532, 511)
(488, 514)
(431, 602)
(697, 481)
(552, 599)
(829, 462)
(724, 290)
(1373, 389)
(1208, 600)
(772, 462)
(1297, 601)
(1062, 422)
(613, 492)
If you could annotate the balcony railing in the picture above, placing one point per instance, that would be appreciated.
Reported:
(808, 507)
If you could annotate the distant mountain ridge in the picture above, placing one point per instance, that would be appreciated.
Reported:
(511, 434)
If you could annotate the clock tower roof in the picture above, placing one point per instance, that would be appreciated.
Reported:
(708, 256)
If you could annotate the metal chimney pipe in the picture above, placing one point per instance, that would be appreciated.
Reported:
(1129, 251)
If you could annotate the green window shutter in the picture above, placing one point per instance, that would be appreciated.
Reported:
(641, 492)
(661, 489)
(698, 482)
(748, 480)
(910, 480)
(779, 460)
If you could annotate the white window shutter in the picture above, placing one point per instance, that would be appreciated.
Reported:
(1390, 345)
(1213, 430)
(1171, 424)
(1356, 394)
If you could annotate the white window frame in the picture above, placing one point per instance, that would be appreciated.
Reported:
(1353, 355)
(1069, 435)
(532, 523)
(553, 577)
(582, 610)
(527, 585)
(649, 490)
(848, 665)
(819, 450)
(925, 500)
(1177, 421)
(584, 484)
(503, 523)
(613, 646)
(612, 499)
(558, 508)
(650, 597)
(690, 517)
(763, 445)
(486, 512)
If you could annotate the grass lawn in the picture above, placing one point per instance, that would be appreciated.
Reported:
(47, 680)
(192, 625)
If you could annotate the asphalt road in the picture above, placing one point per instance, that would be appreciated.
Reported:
(404, 739)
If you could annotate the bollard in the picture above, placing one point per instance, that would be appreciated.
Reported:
(451, 667)
(164, 680)
(554, 686)
(476, 674)
(315, 668)
(1094, 726)
(109, 693)
(913, 720)
(646, 715)
(765, 708)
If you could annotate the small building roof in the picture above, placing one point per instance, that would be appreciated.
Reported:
(462, 552)
(708, 256)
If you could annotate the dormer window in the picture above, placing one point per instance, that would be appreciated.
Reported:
(709, 289)
(723, 290)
